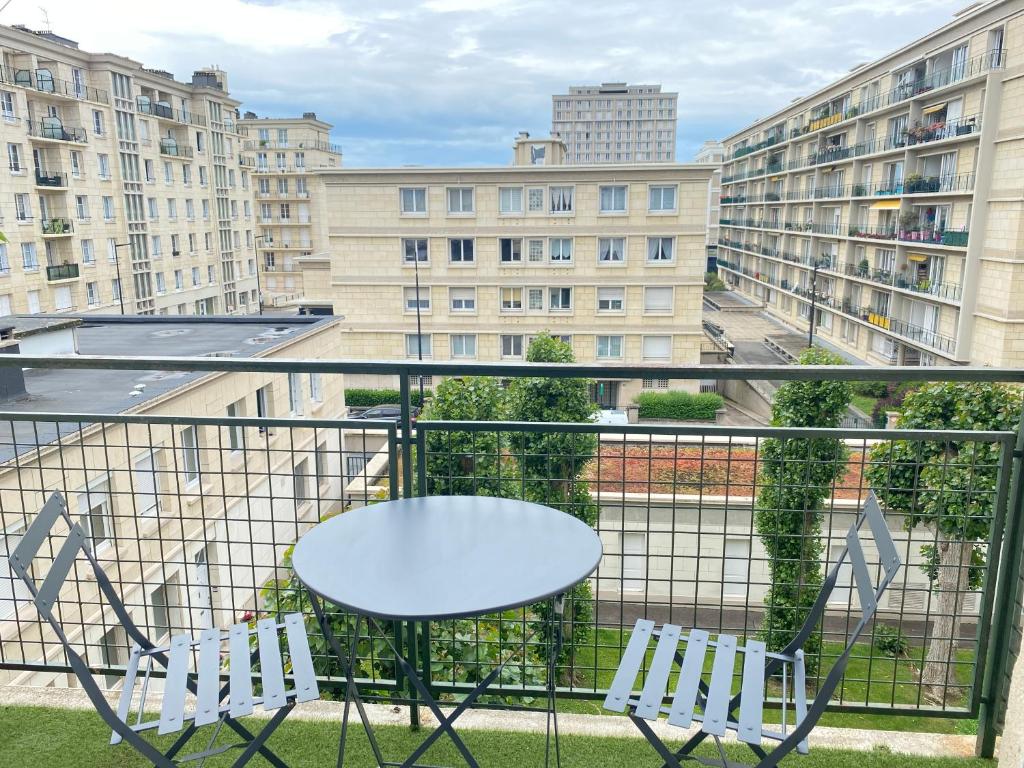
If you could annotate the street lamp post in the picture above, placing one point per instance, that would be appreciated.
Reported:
(814, 300)
(117, 266)
(256, 249)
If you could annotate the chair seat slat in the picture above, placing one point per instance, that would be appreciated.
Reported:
(59, 570)
(887, 554)
(629, 666)
(656, 684)
(685, 699)
(716, 711)
(240, 673)
(172, 711)
(865, 589)
(124, 704)
(752, 693)
(33, 538)
(209, 685)
(306, 688)
(271, 669)
(800, 694)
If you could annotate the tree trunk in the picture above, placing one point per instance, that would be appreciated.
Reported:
(939, 673)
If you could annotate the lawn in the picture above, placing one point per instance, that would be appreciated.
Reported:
(31, 737)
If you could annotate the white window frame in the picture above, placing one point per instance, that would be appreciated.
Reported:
(614, 190)
(414, 199)
(405, 248)
(410, 298)
(571, 210)
(660, 189)
(660, 357)
(294, 394)
(97, 495)
(462, 261)
(427, 349)
(465, 341)
(501, 250)
(460, 209)
(661, 242)
(141, 476)
(462, 309)
(607, 340)
(559, 257)
(511, 354)
(510, 308)
(653, 290)
(508, 207)
(560, 293)
(610, 298)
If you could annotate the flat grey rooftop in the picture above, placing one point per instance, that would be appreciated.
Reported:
(81, 391)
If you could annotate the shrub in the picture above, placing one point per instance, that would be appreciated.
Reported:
(681, 406)
(892, 400)
(367, 398)
(890, 641)
(712, 282)
(871, 388)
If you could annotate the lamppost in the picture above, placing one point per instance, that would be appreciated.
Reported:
(256, 249)
(814, 300)
(117, 266)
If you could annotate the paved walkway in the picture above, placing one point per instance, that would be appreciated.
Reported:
(920, 744)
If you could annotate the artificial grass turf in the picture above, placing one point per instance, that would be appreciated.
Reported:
(33, 737)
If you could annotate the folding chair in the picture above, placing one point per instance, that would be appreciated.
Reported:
(712, 704)
(216, 704)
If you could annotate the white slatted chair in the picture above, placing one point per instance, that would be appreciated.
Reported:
(217, 704)
(712, 704)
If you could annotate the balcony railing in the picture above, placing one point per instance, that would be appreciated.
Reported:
(42, 80)
(57, 225)
(54, 130)
(62, 272)
(174, 149)
(45, 179)
(257, 144)
(146, 106)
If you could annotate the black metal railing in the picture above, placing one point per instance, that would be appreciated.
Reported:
(42, 80)
(57, 225)
(56, 131)
(146, 106)
(46, 179)
(62, 272)
(174, 149)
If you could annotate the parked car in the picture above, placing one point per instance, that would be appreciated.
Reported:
(610, 416)
(385, 413)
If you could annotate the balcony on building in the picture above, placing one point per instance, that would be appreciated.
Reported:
(59, 273)
(171, 147)
(57, 226)
(51, 179)
(158, 105)
(42, 81)
(55, 129)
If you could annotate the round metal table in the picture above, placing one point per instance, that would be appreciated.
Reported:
(437, 558)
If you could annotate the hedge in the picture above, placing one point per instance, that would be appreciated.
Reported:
(367, 398)
(681, 406)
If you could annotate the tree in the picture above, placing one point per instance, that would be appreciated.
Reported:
(552, 463)
(797, 477)
(465, 463)
(950, 487)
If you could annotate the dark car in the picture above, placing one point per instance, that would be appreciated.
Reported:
(385, 413)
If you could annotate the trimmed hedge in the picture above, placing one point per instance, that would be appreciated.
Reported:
(681, 406)
(367, 398)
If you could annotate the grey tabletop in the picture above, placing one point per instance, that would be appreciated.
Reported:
(444, 557)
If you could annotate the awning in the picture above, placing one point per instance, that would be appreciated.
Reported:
(917, 257)
(933, 108)
(886, 205)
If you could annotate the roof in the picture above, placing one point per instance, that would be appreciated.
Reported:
(62, 391)
(604, 170)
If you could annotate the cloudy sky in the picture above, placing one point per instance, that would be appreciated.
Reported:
(438, 82)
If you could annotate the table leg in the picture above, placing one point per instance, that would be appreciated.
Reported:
(348, 661)
(554, 648)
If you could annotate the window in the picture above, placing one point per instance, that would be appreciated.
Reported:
(510, 199)
(511, 345)
(29, 258)
(149, 173)
(115, 289)
(82, 207)
(300, 481)
(165, 601)
(168, 173)
(144, 479)
(611, 299)
(294, 394)
(76, 163)
(190, 454)
(5, 304)
(97, 122)
(462, 299)
(535, 299)
(657, 348)
(535, 251)
(14, 158)
(535, 199)
(463, 345)
(22, 207)
(316, 387)
(611, 250)
(154, 212)
(157, 246)
(88, 254)
(196, 280)
(561, 199)
(34, 306)
(416, 344)
(211, 274)
(62, 298)
(559, 299)
(609, 347)
(735, 564)
(161, 286)
(414, 301)
(265, 404)
(560, 249)
(511, 249)
(662, 199)
(203, 176)
(96, 512)
(108, 208)
(103, 161)
(657, 299)
(172, 209)
(659, 249)
(655, 383)
(13, 591)
(179, 280)
(461, 251)
(613, 199)
(460, 200)
(7, 105)
(5, 262)
(511, 299)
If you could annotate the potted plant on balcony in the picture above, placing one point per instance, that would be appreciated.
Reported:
(913, 182)
(908, 225)
(863, 267)
(859, 190)
(965, 126)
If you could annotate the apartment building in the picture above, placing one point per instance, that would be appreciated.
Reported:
(616, 123)
(891, 199)
(608, 257)
(280, 152)
(124, 190)
(712, 153)
(189, 513)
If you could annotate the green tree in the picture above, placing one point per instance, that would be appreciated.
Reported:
(463, 463)
(949, 486)
(552, 463)
(797, 477)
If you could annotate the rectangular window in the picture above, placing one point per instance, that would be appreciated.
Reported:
(190, 454)
(613, 199)
(7, 105)
(511, 299)
(560, 249)
(535, 299)
(88, 254)
(29, 258)
(463, 345)
(611, 250)
(145, 482)
(510, 199)
(535, 251)
(460, 200)
(82, 207)
(657, 348)
(416, 344)
(511, 249)
(22, 207)
(414, 301)
(76, 163)
(316, 387)
(562, 199)
(611, 299)
(236, 434)
(658, 299)
(414, 199)
(662, 199)
(461, 251)
(660, 249)
(300, 481)
(96, 512)
(14, 158)
(462, 299)
(559, 299)
(511, 345)
(609, 347)
(535, 199)
(108, 208)
(294, 394)
(414, 249)
(104, 166)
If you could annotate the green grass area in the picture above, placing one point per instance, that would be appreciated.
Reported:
(31, 737)
(864, 403)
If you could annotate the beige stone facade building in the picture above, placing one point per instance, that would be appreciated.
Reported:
(712, 153)
(281, 152)
(123, 185)
(901, 182)
(616, 123)
(609, 257)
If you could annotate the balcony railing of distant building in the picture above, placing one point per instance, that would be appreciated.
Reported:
(173, 148)
(43, 81)
(47, 179)
(160, 109)
(54, 129)
(57, 225)
(62, 272)
(255, 145)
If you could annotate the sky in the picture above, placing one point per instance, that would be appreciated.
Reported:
(451, 82)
